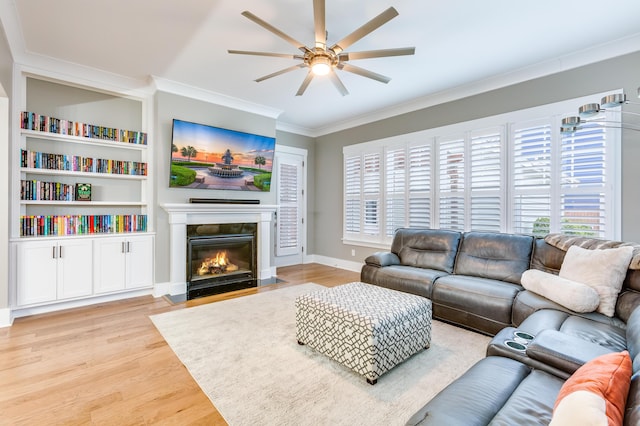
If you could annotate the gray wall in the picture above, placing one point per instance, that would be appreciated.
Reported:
(621, 72)
(169, 106)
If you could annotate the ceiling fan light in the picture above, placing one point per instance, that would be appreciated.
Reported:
(588, 110)
(612, 101)
(321, 65)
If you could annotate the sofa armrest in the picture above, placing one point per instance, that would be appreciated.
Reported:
(382, 258)
(563, 351)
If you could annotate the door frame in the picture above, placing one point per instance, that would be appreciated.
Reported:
(287, 260)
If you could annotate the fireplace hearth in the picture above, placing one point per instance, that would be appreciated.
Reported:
(220, 258)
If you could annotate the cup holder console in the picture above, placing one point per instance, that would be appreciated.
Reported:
(519, 341)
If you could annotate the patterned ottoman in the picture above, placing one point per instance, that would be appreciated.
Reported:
(366, 328)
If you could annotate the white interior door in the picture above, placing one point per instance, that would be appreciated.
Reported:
(290, 220)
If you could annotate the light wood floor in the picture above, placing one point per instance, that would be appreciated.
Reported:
(108, 365)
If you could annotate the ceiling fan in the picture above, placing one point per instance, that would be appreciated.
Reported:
(323, 60)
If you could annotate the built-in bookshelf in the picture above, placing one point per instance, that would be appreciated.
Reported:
(81, 192)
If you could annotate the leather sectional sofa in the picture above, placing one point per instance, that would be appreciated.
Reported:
(474, 280)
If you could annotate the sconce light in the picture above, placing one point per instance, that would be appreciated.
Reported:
(586, 111)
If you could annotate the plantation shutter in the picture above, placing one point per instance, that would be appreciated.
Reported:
(486, 181)
(353, 195)
(583, 191)
(451, 201)
(289, 216)
(419, 185)
(531, 178)
(371, 190)
(395, 189)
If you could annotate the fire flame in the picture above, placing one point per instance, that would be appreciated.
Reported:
(217, 264)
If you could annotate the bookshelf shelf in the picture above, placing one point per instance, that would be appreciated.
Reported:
(56, 137)
(93, 175)
(84, 203)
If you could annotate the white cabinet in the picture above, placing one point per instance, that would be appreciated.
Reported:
(123, 263)
(52, 270)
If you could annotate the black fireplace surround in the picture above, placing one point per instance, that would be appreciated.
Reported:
(220, 258)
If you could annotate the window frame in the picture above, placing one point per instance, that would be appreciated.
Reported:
(505, 124)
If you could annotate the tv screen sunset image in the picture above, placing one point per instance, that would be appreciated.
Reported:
(207, 157)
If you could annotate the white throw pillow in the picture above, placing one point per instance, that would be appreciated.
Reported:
(603, 270)
(570, 294)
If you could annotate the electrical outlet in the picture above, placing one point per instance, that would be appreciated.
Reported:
(353, 252)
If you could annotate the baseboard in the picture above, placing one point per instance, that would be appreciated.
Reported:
(336, 263)
(5, 317)
(160, 289)
(35, 310)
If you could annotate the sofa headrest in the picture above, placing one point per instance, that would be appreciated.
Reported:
(426, 248)
(495, 256)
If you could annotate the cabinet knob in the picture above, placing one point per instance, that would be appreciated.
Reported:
(53, 252)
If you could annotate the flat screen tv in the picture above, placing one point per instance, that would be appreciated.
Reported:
(207, 157)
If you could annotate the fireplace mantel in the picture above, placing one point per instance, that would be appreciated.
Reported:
(181, 215)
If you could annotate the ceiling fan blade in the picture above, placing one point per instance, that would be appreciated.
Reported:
(277, 55)
(274, 30)
(319, 23)
(364, 73)
(350, 56)
(338, 83)
(282, 71)
(305, 83)
(370, 26)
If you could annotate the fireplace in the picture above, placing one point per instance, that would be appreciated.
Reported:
(181, 216)
(220, 258)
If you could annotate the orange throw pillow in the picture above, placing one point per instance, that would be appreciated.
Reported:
(596, 393)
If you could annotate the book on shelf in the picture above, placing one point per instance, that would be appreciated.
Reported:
(44, 123)
(83, 192)
(58, 225)
(76, 163)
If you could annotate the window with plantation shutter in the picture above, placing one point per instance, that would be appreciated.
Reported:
(486, 171)
(395, 181)
(288, 230)
(531, 177)
(583, 179)
(352, 196)
(419, 185)
(451, 178)
(508, 173)
(371, 191)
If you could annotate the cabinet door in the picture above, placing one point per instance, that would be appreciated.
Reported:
(109, 262)
(140, 262)
(75, 270)
(37, 272)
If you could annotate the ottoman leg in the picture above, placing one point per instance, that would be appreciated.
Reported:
(300, 343)
(372, 382)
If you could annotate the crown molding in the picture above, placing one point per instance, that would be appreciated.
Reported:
(193, 92)
(574, 60)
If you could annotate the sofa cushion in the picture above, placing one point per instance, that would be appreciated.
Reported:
(402, 278)
(571, 294)
(426, 248)
(495, 256)
(596, 393)
(479, 303)
(495, 390)
(604, 270)
(476, 396)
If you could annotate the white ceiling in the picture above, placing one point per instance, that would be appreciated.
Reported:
(462, 46)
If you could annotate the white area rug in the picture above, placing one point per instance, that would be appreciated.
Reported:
(244, 355)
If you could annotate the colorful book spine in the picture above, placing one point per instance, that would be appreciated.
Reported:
(43, 123)
(75, 163)
(81, 224)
